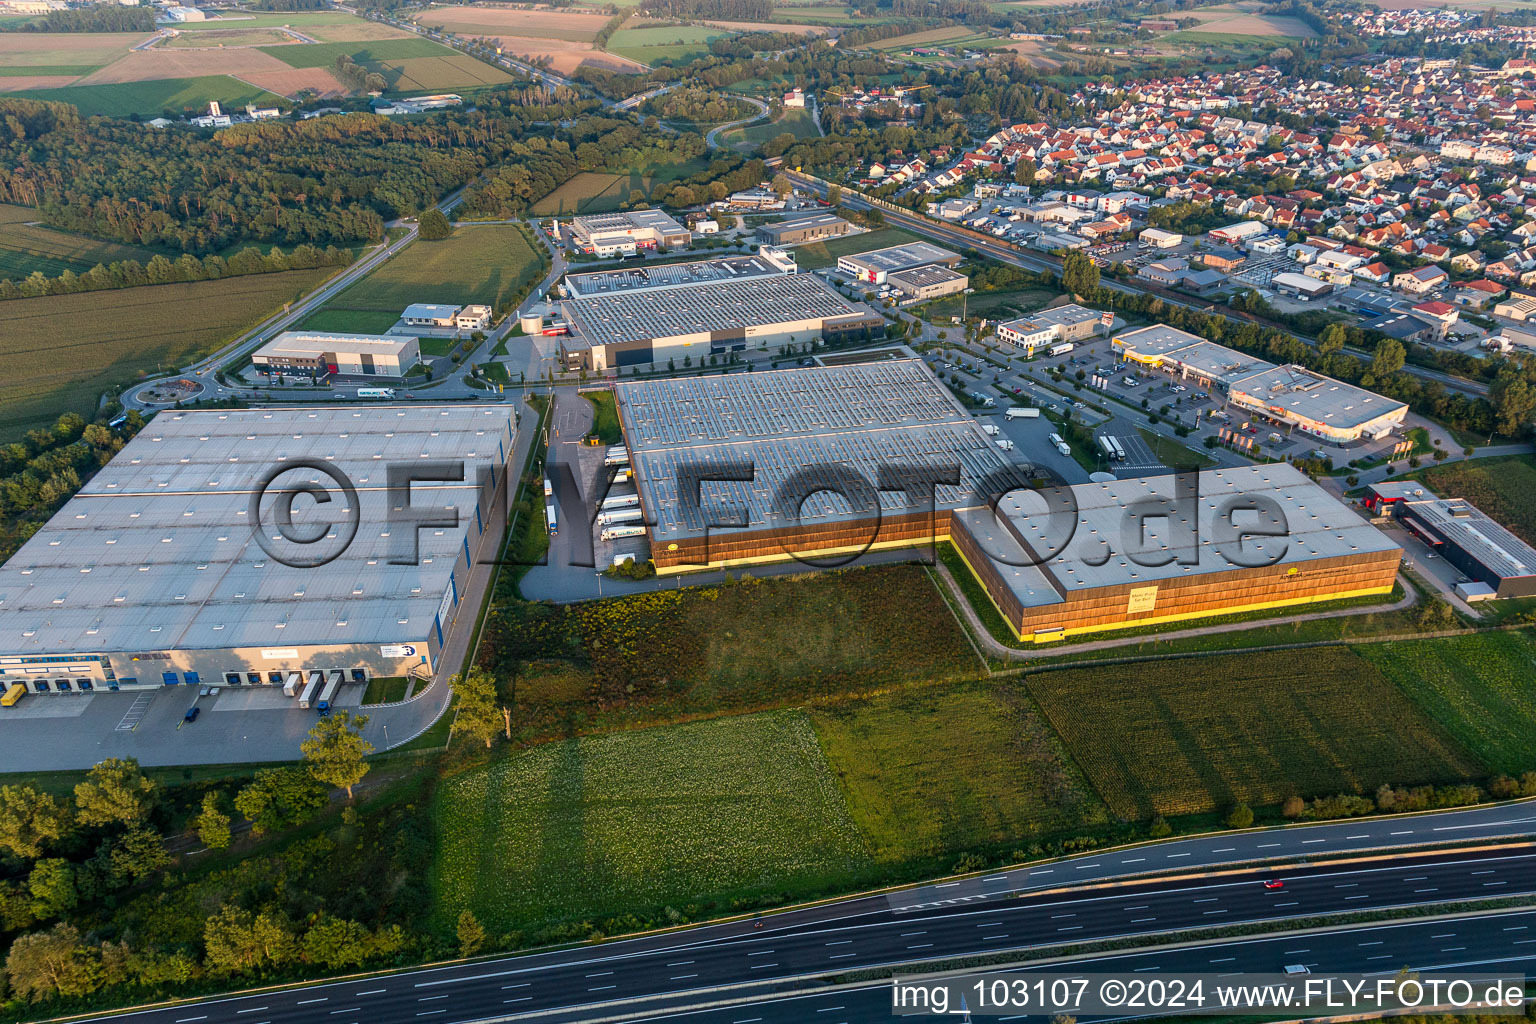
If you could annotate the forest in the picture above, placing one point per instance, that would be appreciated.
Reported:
(161, 270)
(40, 473)
(95, 18)
(328, 180)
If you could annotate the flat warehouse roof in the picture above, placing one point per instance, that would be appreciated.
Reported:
(1303, 393)
(1316, 525)
(859, 417)
(901, 257)
(923, 277)
(157, 552)
(303, 344)
(1157, 340)
(1470, 529)
(703, 308)
(670, 275)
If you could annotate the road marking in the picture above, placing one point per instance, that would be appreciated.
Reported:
(1306, 842)
(1453, 949)
(429, 1013)
(519, 999)
(1226, 849)
(922, 945)
(1208, 912)
(521, 984)
(989, 938)
(840, 956)
(685, 963)
(908, 935)
(1447, 935)
(1293, 952)
(1058, 917)
(683, 977)
(1495, 883)
(1487, 872)
(599, 974)
(1426, 890)
(760, 952)
(1209, 899)
(188, 1020)
(1071, 928)
(1134, 860)
(306, 1002)
(947, 885)
(758, 967)
(258, 1009)
(1378, 942)
(845, 942)
(1140, 969)
(1347, 885)
(1357, 837)
(1224, 960)
(594, 988)
(1517, 928)
(354, 1009)
(1417, 878)
(1293, 904)
(1266, 846)
(1361, 897)
(992, 878)
(372, 992)
(1143, 920)
(1405, 832)
(828, 1009)
(1084, 867)
(1173, 855)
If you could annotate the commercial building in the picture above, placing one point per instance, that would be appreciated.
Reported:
(799, 230)
(923, 283)
(1463, 535)
(1300, 285)
(607, 234)
(426, 316)
(873, 267)
(1234, 234)
(767, 263)
(1160, 239)
(1049, 326)
(1141, 553)
(1291, 395)
(376, 355)
(763, 467)
(1516, 306)
(159, 572)
(655, 324)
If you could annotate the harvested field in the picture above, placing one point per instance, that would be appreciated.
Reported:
(437, 73)
(1188, 737)
(11, 83)
(1504, 488)
(353, 31)
(34, 49)
(157, 64)
(564, 55)
(323, 55)
(1033, 51)
(227, 37)
(752, 26)
(291, 81)
(932, 35)
(180, 95)
(1236, 22)
(497, 21)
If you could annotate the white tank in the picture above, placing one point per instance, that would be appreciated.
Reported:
(531, 323)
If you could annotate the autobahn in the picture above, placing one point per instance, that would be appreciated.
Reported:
(625, 978)
(1013, 256)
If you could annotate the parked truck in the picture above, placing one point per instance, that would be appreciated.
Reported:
(1005, 444)
(311, 689)
(614, 501)
(375, 392)
(616, 532)
(549, 518)
(291, 684)
(328, 695)
(618, 455)
(1021, 412)
(990, 429)
(620, 515)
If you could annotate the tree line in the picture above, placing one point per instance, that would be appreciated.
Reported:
(42, 471)
(356, 77)
(94, 18)
(692, 103)
(163, 270)
(327, 180)
(729, 10)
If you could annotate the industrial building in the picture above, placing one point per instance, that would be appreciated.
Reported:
(873, 267)
(1498, 563)
(1070, 322)
(318, 355)
(790, 460)
(155, 574)
(923, 283)
(1302, 286)
(1139, 554)
(799, 230)
(1293, 395)
(609, 234)
(633, 326)
(768, 262)
(439, 318)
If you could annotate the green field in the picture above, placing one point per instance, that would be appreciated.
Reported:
(58, 354)
(820, 14)
(1503, 487)
(1479, 688)
(605, 417)
(456, 71)
(485, 264)
(596, 192)
(25, 247)
(1191, 736)
(797, 122)
(682, 816)
(178, 95)
(240, 36)
(663, 42)
(936, 771)
(294, 19)
(323, 55)
(824, 254)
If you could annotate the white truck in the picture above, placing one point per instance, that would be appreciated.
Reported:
(615, 532)
(549, 488)
(620, 515)
(990, 429)
(614, 501)
(1061, 445)
(1022, 412)
(1005, 444)
(375, 392)
(1061, 349)
(618, 455)
(550, 520)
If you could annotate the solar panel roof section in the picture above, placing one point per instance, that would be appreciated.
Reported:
(859, 417)
(670, 275)
(156, 552)
(1470, 529)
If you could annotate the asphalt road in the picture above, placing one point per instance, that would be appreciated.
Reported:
(622, 979)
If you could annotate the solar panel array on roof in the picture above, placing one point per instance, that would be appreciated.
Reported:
(669, 275)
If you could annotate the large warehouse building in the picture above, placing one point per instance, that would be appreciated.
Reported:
(801, 429)
(873, 267)
(1292, 395)
(154, 574)
(1501, 564)
(607, 234)
(696, 310)
(319, 355)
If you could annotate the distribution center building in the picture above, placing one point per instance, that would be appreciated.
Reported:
(806, 433)
(695, 310)
(1499, 563)
(798, 230)
(153, 574)
(1292, 395)
(604, 234)
(369, 355)
(874, 267)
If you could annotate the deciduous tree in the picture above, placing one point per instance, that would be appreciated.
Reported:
(335, 750)
(115, 792)
(30, 820)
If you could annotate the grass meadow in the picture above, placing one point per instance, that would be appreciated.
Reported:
(663, 42)
(798, 123)
(323, 55)
(824, 254)
(1185, 737)
(178, 95)
(1479, 688)
(59, 353)
(1503, 487)
(485, 264)
(689, 815)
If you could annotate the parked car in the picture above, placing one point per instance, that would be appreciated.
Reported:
(192, 713)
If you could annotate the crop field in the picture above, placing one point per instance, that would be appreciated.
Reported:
(816, 255)
(820, 14)
(597, 192)
(67, 49)
(179, 95)
(1503, 487)
(501, 21)
(227, 37)
(935, 771)
(934, 36)
(159, 64)
(1185, 737)
(753, 26)
(744, 646)
(481, 264)
(308, 22)
(1245, 20)
(27, 247)
(684, 815)
(291, 81)
(565, 55)
(57, 354)
(1479, 688)
(323, 55)
(434, 74)
(663, 42)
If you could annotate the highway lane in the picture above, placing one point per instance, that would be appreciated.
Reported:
(583, 981)
(1014, 256)
(1495, 943)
